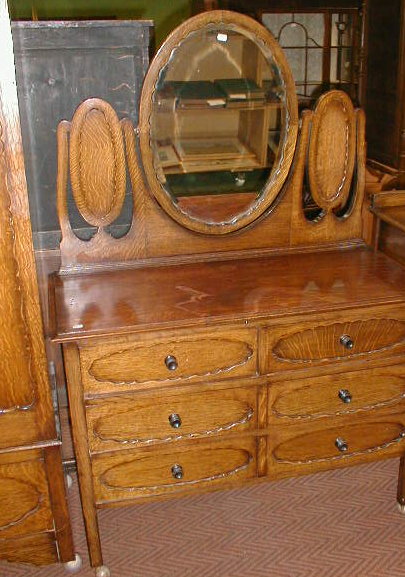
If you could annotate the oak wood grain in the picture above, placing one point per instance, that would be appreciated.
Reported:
(25, 497)
(194, 294)
(29, 530)
(305, 448)
(127, 475)
(79, 431)
(316, 397)
(129, 363)
(311, 344)
(124, 421)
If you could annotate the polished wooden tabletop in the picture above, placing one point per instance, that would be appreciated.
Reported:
(201, 293)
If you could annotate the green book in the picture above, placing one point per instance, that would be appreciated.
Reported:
(196, 92)
(240, 89)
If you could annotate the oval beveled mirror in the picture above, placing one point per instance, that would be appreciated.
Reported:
(218, 122)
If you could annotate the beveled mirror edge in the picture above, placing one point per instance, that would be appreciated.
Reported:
(244, 24)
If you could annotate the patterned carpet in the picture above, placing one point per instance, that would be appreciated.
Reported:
(336, 524)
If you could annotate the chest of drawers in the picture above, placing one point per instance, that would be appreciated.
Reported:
(218, 392)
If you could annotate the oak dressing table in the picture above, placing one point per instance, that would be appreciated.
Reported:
(242, 329)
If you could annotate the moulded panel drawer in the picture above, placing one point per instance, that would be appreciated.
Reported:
(25, 505)
(171, 357)
(143, 472)
(306, 344)
(341, 441)
(338, 394)
(134, 419)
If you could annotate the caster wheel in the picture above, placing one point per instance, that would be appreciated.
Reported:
(401, 507)
(69, 481)
(74, 565)
(102, 571)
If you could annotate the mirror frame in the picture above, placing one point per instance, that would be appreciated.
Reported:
(249, 28)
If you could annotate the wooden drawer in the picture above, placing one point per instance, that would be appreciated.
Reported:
(304, 344)
(339, 394)
(143, 472)
(25, 505)
(307, 448)
(137, 419)
(122, 364)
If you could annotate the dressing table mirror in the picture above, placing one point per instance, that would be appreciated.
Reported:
(219, 124)
(242, 329)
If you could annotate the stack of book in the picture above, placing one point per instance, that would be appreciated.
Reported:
(220, 93)
(241, 90)
(193, 93)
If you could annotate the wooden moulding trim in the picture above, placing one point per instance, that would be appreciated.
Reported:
(86, 268)
(248, 28)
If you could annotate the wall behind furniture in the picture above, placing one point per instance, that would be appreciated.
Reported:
(166, 15)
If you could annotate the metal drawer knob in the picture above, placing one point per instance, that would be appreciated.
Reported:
(175, 421)
(177, 471)
(341, 445)
(171, 363)
(346, 341)
(345, 396)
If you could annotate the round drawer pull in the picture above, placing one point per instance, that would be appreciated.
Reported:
(341, 445)
(177, 471)
(346, 341)
(175, 421)
(171, 363)
(345, 396)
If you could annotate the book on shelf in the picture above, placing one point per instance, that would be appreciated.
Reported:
(195, 93)
(240, 89)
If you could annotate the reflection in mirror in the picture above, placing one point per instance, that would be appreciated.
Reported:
(218, 117)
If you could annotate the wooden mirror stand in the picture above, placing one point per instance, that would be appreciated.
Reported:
(198, 361)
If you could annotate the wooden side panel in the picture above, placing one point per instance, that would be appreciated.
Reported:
(24, 384)
(26, 410)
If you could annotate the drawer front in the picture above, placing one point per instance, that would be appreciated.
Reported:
(305, 344)
(340, 394)
(127, 420)
(328, 443)
(173, 357)
(25, 505)
(142, 473)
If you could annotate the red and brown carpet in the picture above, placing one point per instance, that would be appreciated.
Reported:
(337, 524)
